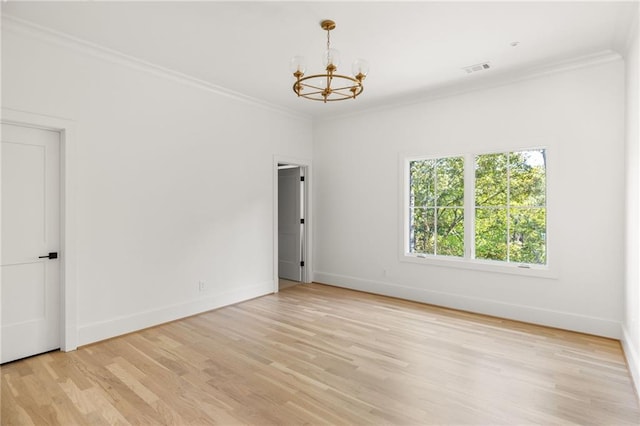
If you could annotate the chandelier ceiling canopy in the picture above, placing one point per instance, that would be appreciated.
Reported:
(328, 86)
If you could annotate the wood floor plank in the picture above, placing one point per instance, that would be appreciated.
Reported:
(315, 354)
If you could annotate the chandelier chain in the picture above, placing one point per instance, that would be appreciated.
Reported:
(328, 44)
(328, 39)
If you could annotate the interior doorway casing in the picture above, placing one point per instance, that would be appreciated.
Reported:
(68, 284)
(305, 165)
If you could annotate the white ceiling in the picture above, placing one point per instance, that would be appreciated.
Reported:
(413, 48)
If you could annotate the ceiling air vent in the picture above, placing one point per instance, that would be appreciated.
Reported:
(477, 67)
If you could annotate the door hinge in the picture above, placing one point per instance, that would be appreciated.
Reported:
(301, 178)
(302, 263)
(302, 221)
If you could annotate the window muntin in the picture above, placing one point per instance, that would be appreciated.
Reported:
(436, 206)
(510, 207)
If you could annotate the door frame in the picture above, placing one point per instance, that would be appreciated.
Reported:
(305, 165)
(68, 283)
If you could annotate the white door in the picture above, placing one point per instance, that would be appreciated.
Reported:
(289, 224)
(30, 196)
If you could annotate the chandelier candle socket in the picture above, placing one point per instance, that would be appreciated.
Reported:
(328, 86)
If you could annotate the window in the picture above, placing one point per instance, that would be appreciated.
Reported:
(510, 207)
(506, 204)
(437, 206)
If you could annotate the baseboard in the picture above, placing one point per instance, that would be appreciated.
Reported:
(102, 330)
(557, 319)
(632, 359)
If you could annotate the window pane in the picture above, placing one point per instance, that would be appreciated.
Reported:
(450, 182)
(527, 184)
(422, 182)
(527, 239)
(491, 180)
(450, 232)
(422, 231)
(491, 234)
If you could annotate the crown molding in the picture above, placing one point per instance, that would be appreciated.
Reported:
(48, 35)
(632, 31)
(626, 34)
(625, 28)
(488, 82)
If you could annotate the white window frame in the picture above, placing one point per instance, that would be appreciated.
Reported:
(469, 261)
(408, 201)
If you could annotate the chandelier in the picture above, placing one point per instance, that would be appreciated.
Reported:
(328, 86)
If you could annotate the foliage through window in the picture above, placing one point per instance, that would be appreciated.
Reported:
(507, 197)
(510, 207)
(437, 206)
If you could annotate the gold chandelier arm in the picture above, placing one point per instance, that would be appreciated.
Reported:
(351, 94)
(342, 97)
(346, 87)
(312, 86)
(311, 93)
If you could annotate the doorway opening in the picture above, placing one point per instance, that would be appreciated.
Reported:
(291, 223)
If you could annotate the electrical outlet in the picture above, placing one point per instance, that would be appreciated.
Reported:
(202, 286)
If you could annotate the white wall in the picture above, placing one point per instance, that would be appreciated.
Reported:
(174, 182)
(631, 323)
(174, 185)
(577, 114)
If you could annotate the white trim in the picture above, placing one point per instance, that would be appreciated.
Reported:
(632, 357)
(481, 265)
(68, 284)
(632, 28)
(307, 275)
(47, 35)
(406, 192)
(118, 326)
(530, 314)
(469, 206)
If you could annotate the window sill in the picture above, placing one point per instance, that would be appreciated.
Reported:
(481, 265)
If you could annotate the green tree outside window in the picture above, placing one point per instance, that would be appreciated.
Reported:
(510, 207)
(436, 207)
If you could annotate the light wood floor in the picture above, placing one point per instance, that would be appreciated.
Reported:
(284, 284)
(315, 354)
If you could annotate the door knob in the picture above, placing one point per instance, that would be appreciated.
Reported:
(51, 255)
